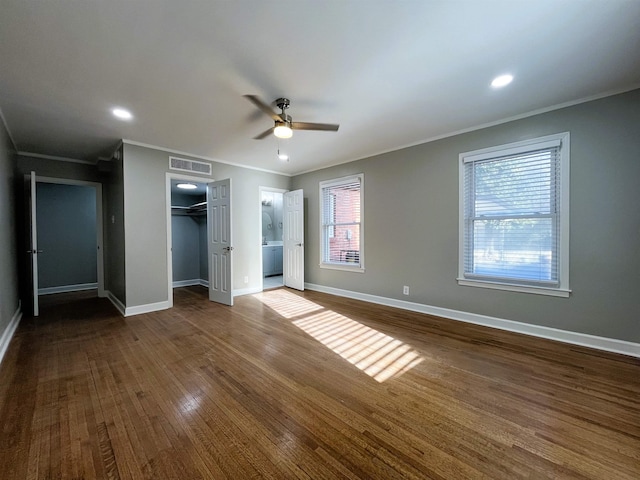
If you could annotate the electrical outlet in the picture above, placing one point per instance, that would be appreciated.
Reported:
(405, 290)
(246, 279)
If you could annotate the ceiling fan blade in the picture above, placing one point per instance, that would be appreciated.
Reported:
(264, 134)
(264, 107)
(327, 127)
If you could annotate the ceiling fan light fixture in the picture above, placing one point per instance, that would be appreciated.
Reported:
(282, 130)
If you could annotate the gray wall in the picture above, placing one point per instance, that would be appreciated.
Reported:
(145, 223)
(8, 246)
(411, 222)
(185, 248)
(66, 234)
(114, 244)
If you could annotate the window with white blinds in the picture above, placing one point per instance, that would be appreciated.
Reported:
(514, 216)
(341, 223)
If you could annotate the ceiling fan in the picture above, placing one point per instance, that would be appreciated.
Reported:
(284, 126)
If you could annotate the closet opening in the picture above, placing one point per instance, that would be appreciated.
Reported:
(188, 249)
(64, 227)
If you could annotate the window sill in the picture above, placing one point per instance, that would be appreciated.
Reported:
(345, 268)
(554, 292)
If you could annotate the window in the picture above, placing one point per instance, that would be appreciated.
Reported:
(514, 217)
(341, 223)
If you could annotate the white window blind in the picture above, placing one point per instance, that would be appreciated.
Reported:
(513, 216)
(341, 222)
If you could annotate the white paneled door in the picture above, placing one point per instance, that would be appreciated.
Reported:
(293, 243)
(220, 249)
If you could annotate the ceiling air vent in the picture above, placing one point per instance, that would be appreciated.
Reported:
(192, 166)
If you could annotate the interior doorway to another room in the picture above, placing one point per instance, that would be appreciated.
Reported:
(271, 205)
(64, 223)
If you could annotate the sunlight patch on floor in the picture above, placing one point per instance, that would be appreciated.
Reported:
(378, 355)
(287, 304)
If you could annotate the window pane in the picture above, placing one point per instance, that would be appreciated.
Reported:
(517, 249)
(344, 246)
(514, 186)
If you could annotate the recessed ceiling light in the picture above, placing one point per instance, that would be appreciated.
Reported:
(187, 186)
(502, 81)
(122, 114)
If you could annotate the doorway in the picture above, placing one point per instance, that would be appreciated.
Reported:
(187, 225)
(66, 239)
(271, 228)
(199, 249)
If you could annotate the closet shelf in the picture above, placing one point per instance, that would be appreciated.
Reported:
(195, 209)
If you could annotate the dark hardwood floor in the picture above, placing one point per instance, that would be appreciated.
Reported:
(306, 385)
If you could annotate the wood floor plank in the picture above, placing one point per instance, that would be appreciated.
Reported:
(304, 385)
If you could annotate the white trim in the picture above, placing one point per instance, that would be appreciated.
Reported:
(9, 331)
(515, 148)
(344, 268)
(532, 113)
(201, 157)
(554, 292)
(116, 302)
(246, 291)
(190, 283)
(146, 308)
(574, 338)
(78, 287)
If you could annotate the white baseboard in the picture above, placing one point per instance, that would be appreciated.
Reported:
(246, 291)
(68, 288)
(138, 309)
(189, 283)
(7, 335)
(565, 336)
(116, 302)
(147, 308)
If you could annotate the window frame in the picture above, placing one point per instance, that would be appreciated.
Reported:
(563, 163)
(351, 267)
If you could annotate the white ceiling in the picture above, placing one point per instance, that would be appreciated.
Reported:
(391, 73)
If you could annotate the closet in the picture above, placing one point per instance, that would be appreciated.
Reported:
(189, 236)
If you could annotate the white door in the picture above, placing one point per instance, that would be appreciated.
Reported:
(33, 251)
(219, 241)
(293, 243)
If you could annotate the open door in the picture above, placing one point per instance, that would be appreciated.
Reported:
(219, 241)
(293, 239)
(32, 238)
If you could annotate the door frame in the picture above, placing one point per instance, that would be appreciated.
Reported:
(99, 219)
(189, 178)
(262, 189)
